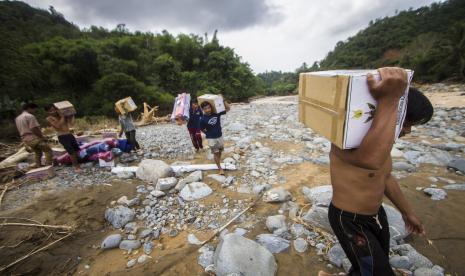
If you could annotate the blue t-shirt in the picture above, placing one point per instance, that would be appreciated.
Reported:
(211, 125)
(194, 118)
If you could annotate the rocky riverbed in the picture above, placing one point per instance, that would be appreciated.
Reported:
(157, 219)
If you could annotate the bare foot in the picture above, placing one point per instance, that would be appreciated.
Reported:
(221, 171)
(77, 169)
(322, 273)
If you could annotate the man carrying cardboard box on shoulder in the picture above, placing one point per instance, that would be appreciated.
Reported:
(62, 125)
(362, 176)
(31, 135)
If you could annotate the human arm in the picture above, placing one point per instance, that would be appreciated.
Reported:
(37, 132)
(376, 146)
(395, 195)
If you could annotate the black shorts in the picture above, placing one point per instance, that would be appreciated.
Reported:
(69, 143)
(364, 239)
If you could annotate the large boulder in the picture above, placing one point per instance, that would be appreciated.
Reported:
(397, 229)
(319, 196)
(195, 191)
(119, 216)
(236, 254)
(151, 170)
(318, 216)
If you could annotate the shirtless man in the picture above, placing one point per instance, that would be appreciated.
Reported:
(61, 125)
(361, 177)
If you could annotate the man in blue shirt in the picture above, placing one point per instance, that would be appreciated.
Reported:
(193, 125)
(210, 124)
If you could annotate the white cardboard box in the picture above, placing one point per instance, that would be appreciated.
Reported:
(338, 105)
(216, 101)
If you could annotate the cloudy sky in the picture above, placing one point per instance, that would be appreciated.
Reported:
(268, 34)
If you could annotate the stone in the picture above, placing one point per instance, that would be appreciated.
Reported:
(119, 215)
(424, 271)
(318, 216)
(276, 222)
(457, 187)
(346, 264)
(458, 165)
(438, 158)
(402, 262)
(277, 195)
(192, 239)
(320, 247)
(397, 229)
(236, 254)
(336, 255)
(131, 263)
(130, 245)
(145, 233)
(157, 193)
(193, 177)
(142, 258)
(300, 245)
(111, 241)
(217, 177)
(125, 175)
(166, 184)
(273, 243)
(240, 231)
(195, 191)
(396, 153)
(435, 193)
(148, 247)
(319, 196)
(403, 166)
(417, 259)
(124, 201)
(151, 170)
(206, 257)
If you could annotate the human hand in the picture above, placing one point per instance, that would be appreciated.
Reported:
(391, 86)
(413, 224)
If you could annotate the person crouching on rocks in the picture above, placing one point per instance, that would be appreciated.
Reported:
(362, 177)
(193, 125)
(62, 125)
(210, 124)
(129, 128)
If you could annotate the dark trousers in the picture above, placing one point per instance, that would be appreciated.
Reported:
(196, 137)
(364, 239)
(131, 136)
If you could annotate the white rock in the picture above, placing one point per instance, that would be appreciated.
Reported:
(165, 184)
(435, 193)
(142, 258)
(277, 195)
(300, 245)
(276, 222)
(236, 254)
(195, 191)
(192, 239)
(319, 196)
(151, 170)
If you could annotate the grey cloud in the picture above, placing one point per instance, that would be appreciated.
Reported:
(196, 15)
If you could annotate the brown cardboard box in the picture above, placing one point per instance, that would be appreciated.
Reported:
(65, 108)
(339, 106)
(125, 105)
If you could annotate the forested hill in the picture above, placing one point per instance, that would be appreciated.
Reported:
(430, 40)
(45, 58)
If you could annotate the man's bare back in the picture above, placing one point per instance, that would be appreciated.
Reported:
(356, 189)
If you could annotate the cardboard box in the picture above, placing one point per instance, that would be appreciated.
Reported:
(65, 108)
(41, 173)
(125, 105)
(216, 102)
(339, 106)
(103, 163)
